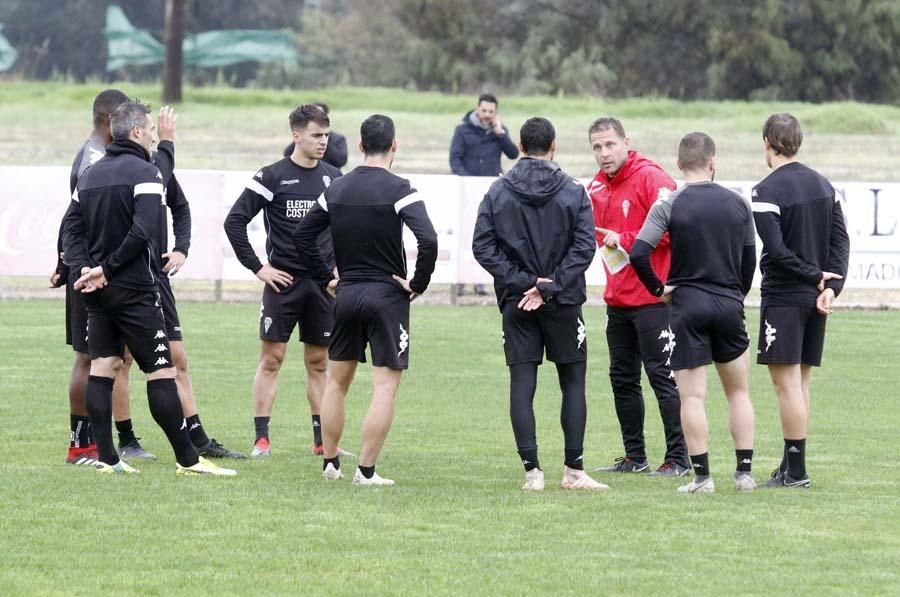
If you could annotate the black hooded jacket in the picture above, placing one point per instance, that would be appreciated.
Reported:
(114, 217)
(536, 222)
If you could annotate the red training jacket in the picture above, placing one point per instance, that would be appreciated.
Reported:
(621, 204)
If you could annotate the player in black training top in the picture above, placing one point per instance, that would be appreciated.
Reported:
(365, 211)
(713, 258)
(336, 152)
(535, 235)
(110, 236)
(804, 260)
(82, 449)
(285, 191)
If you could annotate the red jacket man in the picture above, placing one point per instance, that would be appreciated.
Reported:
(637, 330)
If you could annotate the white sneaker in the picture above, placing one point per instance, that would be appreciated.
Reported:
(704, 486)
(744, 482)
(577, 479)
(359, 479)
(534, 480)
(204, 467)
(329, 473)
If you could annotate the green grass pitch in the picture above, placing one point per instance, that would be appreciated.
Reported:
(457, 522)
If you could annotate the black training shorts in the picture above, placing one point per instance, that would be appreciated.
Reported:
(167, 301)
(708, 328)
(374, 314)
(559, 329)
(304, 303)
(790, 335)
(76, 316)
(119, 317)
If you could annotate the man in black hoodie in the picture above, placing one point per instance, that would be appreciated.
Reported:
(110, 236)
(535, 235)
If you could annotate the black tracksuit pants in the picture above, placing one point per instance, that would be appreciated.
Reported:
(636, 336)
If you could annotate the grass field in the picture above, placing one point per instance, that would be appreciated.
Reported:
(457, 522)
(230, 129)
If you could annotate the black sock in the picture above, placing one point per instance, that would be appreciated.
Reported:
(262, 427)
(195, 430)
(795, 452)
(317, 430)
(744, 460)
(367, 471)
(336, 462)
(98, 397)
(700, 462)
(162, 394)
(126, 432)
(529, 459)
(81, 431)
(574, 459)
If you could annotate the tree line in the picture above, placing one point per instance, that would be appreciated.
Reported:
(812, 50)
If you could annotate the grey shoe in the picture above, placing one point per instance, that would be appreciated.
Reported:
(625, 465)
(669, 469)
(134, 451)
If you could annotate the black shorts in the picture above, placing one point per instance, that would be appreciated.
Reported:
(559, 329)
(76, 316)
(305, 303)
(374, 313)
(707, 328)
(119, 317)
(167, 300)
(790, 336)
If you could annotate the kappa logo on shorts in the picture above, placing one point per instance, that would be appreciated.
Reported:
(161, 361)
(404, 340)
(668, 347)
(267, 323)
(160, 348)
(581, 333)
(159, 334)
(770, 335)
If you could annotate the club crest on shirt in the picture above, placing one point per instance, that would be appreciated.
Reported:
(626, 205)
(327, 181)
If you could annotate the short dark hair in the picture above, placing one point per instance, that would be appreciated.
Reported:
(605, 124)
(695, 151)
(105, 104)
(324, 106)
(125, 117)
(488, 97)
(783, 133)
(307, 113)
(536, 136)
(377, 134)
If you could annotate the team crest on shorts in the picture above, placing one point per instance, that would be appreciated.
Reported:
(404, 340)
(267, 323)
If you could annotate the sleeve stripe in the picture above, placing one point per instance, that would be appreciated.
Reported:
(260, 190)
(409, 199)
(321, 201)
(148, 188)
(763, 207)
(75, 196)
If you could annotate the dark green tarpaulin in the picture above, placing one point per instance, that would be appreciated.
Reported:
(128, 45)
